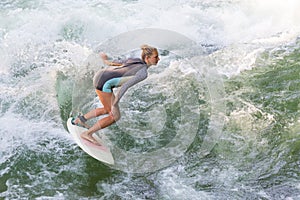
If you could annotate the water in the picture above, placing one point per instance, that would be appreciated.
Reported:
(218, 118)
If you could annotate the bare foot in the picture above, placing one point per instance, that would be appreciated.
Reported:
(89, 138)
(77, 122)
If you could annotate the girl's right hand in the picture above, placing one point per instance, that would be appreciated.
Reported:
(103, 56)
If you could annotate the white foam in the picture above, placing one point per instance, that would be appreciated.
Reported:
(175, 185)
(241, 29)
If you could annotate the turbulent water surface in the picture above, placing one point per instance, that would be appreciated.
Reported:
(217, 118)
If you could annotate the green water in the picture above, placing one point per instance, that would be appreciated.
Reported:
(225, 126)
(262, 136)
(257, 156)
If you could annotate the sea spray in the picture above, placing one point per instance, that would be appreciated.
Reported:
(251, 46)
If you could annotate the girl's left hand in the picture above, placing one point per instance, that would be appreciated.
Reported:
(115, 111)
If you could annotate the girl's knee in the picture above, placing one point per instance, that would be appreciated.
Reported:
(115, 117)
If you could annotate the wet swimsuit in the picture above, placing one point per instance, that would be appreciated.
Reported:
(130, 73)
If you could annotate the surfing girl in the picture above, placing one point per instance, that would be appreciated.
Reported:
(124, 75)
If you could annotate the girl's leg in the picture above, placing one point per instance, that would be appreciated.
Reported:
(92, 114)
(106, 99)
(95, 113)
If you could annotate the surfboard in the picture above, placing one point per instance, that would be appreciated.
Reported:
(99, 152)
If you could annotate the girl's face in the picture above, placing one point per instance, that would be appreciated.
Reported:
(153, 59)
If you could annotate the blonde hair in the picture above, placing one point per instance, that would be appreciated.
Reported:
(147, 51)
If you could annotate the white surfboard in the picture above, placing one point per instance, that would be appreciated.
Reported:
(99, 152)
